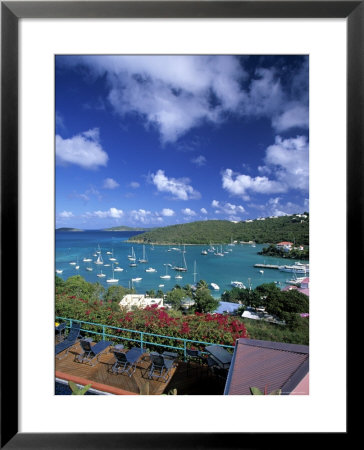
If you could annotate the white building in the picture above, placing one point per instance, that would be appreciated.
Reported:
(139, 301)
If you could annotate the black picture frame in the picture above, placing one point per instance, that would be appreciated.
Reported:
(11, 12)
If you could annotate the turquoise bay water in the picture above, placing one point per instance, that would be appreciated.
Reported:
(235, 265)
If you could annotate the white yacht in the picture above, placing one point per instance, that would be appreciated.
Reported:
(238, 284)
(101, 275)
(215, 286)
(59, 270)
(150, 269)
(118, 269)
(166, 276)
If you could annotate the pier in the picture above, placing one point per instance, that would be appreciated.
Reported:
(267, 266)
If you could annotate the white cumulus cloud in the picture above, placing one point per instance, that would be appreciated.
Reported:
(65, 214)
(112, 213)
(179, 188)
(167, 212)
(84, 150)
(188, 212)
(228, 209)
(239, 184)
(289, 159)
(110, 183)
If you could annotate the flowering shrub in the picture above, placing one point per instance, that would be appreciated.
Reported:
(213, 328)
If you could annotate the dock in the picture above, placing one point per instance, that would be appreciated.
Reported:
(267, 266)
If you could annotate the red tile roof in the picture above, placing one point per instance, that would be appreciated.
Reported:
(265, 364)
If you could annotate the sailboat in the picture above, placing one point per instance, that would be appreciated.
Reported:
(87, 259)
(98, 249)
(99, 259)
(118, 269)
(182, 268)
(101, 275)
(132, 256)
(220, 253)
(89, 268)
(112, 256)
(77, 266)
(211, 249)
(144, 259)
(59, 270)
(112, 280)
(166, 276)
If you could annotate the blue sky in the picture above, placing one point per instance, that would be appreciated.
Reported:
(159, 140)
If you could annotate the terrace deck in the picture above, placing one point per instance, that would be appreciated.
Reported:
(187, 379)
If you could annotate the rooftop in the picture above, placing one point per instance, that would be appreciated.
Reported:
(268, 365)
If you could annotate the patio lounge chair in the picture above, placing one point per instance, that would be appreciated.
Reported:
(60, 331)
(91, 353)
(195, 356)
(160, 367)
(211, 365)
(70, 341)
(126, 362)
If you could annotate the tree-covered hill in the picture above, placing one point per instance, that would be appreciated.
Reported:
(126, 228)
(270, 230)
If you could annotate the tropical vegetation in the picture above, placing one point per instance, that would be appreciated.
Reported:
(91, 302)
(269, 230)
(273, 250)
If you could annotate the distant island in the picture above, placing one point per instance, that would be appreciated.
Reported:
(68, 229)
(263, 230)
(125, 228)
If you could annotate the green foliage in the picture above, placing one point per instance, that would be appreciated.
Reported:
(271, 230)
(257, 391)
(266, 331)
(116, 293)
(59, 283)
(175, 296)
(205, 302)
(78, 391)
(272, 250)
(77, 285)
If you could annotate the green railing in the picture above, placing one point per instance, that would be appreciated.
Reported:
(143, 337)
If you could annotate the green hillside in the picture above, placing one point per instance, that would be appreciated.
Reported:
(125, 228)
(270, 230)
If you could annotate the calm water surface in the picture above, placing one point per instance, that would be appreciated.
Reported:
(236, 265)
